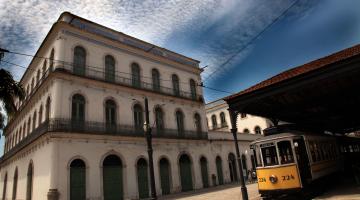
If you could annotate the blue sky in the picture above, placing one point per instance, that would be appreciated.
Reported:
(209, 31)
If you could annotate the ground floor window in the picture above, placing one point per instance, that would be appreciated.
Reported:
(185, 173)
(77, 180)
(112, 178)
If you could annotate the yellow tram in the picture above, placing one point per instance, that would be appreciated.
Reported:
(289, 162)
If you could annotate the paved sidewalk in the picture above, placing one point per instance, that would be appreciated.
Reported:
(224, 192)
(341, 192)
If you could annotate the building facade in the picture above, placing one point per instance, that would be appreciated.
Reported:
(79, 134)
(218, 119)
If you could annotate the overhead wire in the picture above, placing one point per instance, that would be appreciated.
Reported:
(250, 42)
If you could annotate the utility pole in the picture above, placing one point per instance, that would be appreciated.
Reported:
(147, 130)
(233, 117)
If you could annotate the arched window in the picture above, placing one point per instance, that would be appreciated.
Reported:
(78, 109)
(197, 120)
(34, 121)
(112, 178)
(16, 138)
(165, 174)
(214, 121)
(243, 115)
(219, 170)
(135, 72)
(257, 130)
(110, 113)
(38, 77)
(246, 130)
(40, 115)
(155, 79)
(32, 85)
(232, 167)
(143, 178)
(77, 180)
(44, 68)
(29, 126)
(176, 85)
(109, 68)
(138, 117)
(79, 61)
(180, 122)
(159, 119)
(193, 89)
(4, 187)
(223, 120)
(185, 173)
(47, 112)
(20, 132)
(28, 90)
(52, 60)
(29, 182)
(15, 184)
(24, 129)
(204, 172)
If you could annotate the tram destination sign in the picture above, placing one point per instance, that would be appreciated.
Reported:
(267, 145)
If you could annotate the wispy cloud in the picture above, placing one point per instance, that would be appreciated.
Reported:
(220, 26)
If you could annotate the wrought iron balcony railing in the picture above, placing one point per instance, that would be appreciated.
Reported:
(99, 74)
(99, 128)
(119, 78)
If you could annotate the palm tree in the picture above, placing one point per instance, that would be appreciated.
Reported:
(9, 89)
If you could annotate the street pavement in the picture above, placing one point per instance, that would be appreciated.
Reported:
(232, 192)
(224, 192)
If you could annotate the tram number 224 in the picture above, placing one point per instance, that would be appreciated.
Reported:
(284, 178)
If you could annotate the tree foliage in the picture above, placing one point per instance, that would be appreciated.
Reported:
(9, 90)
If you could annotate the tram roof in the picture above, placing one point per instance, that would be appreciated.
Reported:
(322, 94)
(275, 137)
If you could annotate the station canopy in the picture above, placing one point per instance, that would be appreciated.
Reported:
(323, 94)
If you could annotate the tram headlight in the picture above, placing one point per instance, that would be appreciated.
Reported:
(273, 179)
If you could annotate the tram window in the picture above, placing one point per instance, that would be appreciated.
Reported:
(326, 151)
(321, 149)
(285, 152)
(312, 151)
(356, 148)
(350, 148)
(317, 151)
(331, 151)
(257, 156)
(269, 156)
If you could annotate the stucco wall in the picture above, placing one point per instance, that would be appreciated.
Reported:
(94, 150)
(249, 122)
(40, 155)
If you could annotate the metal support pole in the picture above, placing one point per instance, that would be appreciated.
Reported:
(233, 117)
(150, 150)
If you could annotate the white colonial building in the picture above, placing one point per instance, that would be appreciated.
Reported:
(78, 134)
(218, 119)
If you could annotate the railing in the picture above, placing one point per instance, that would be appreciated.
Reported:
(115, 78)
(90, 127)
(223, 125)
(99, 128)
(120, 79)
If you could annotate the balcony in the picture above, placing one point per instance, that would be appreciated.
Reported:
(99, 74)
(120, 79)
(99, 128)
(222, 126)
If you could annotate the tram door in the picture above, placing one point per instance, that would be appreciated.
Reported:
(303, 160)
